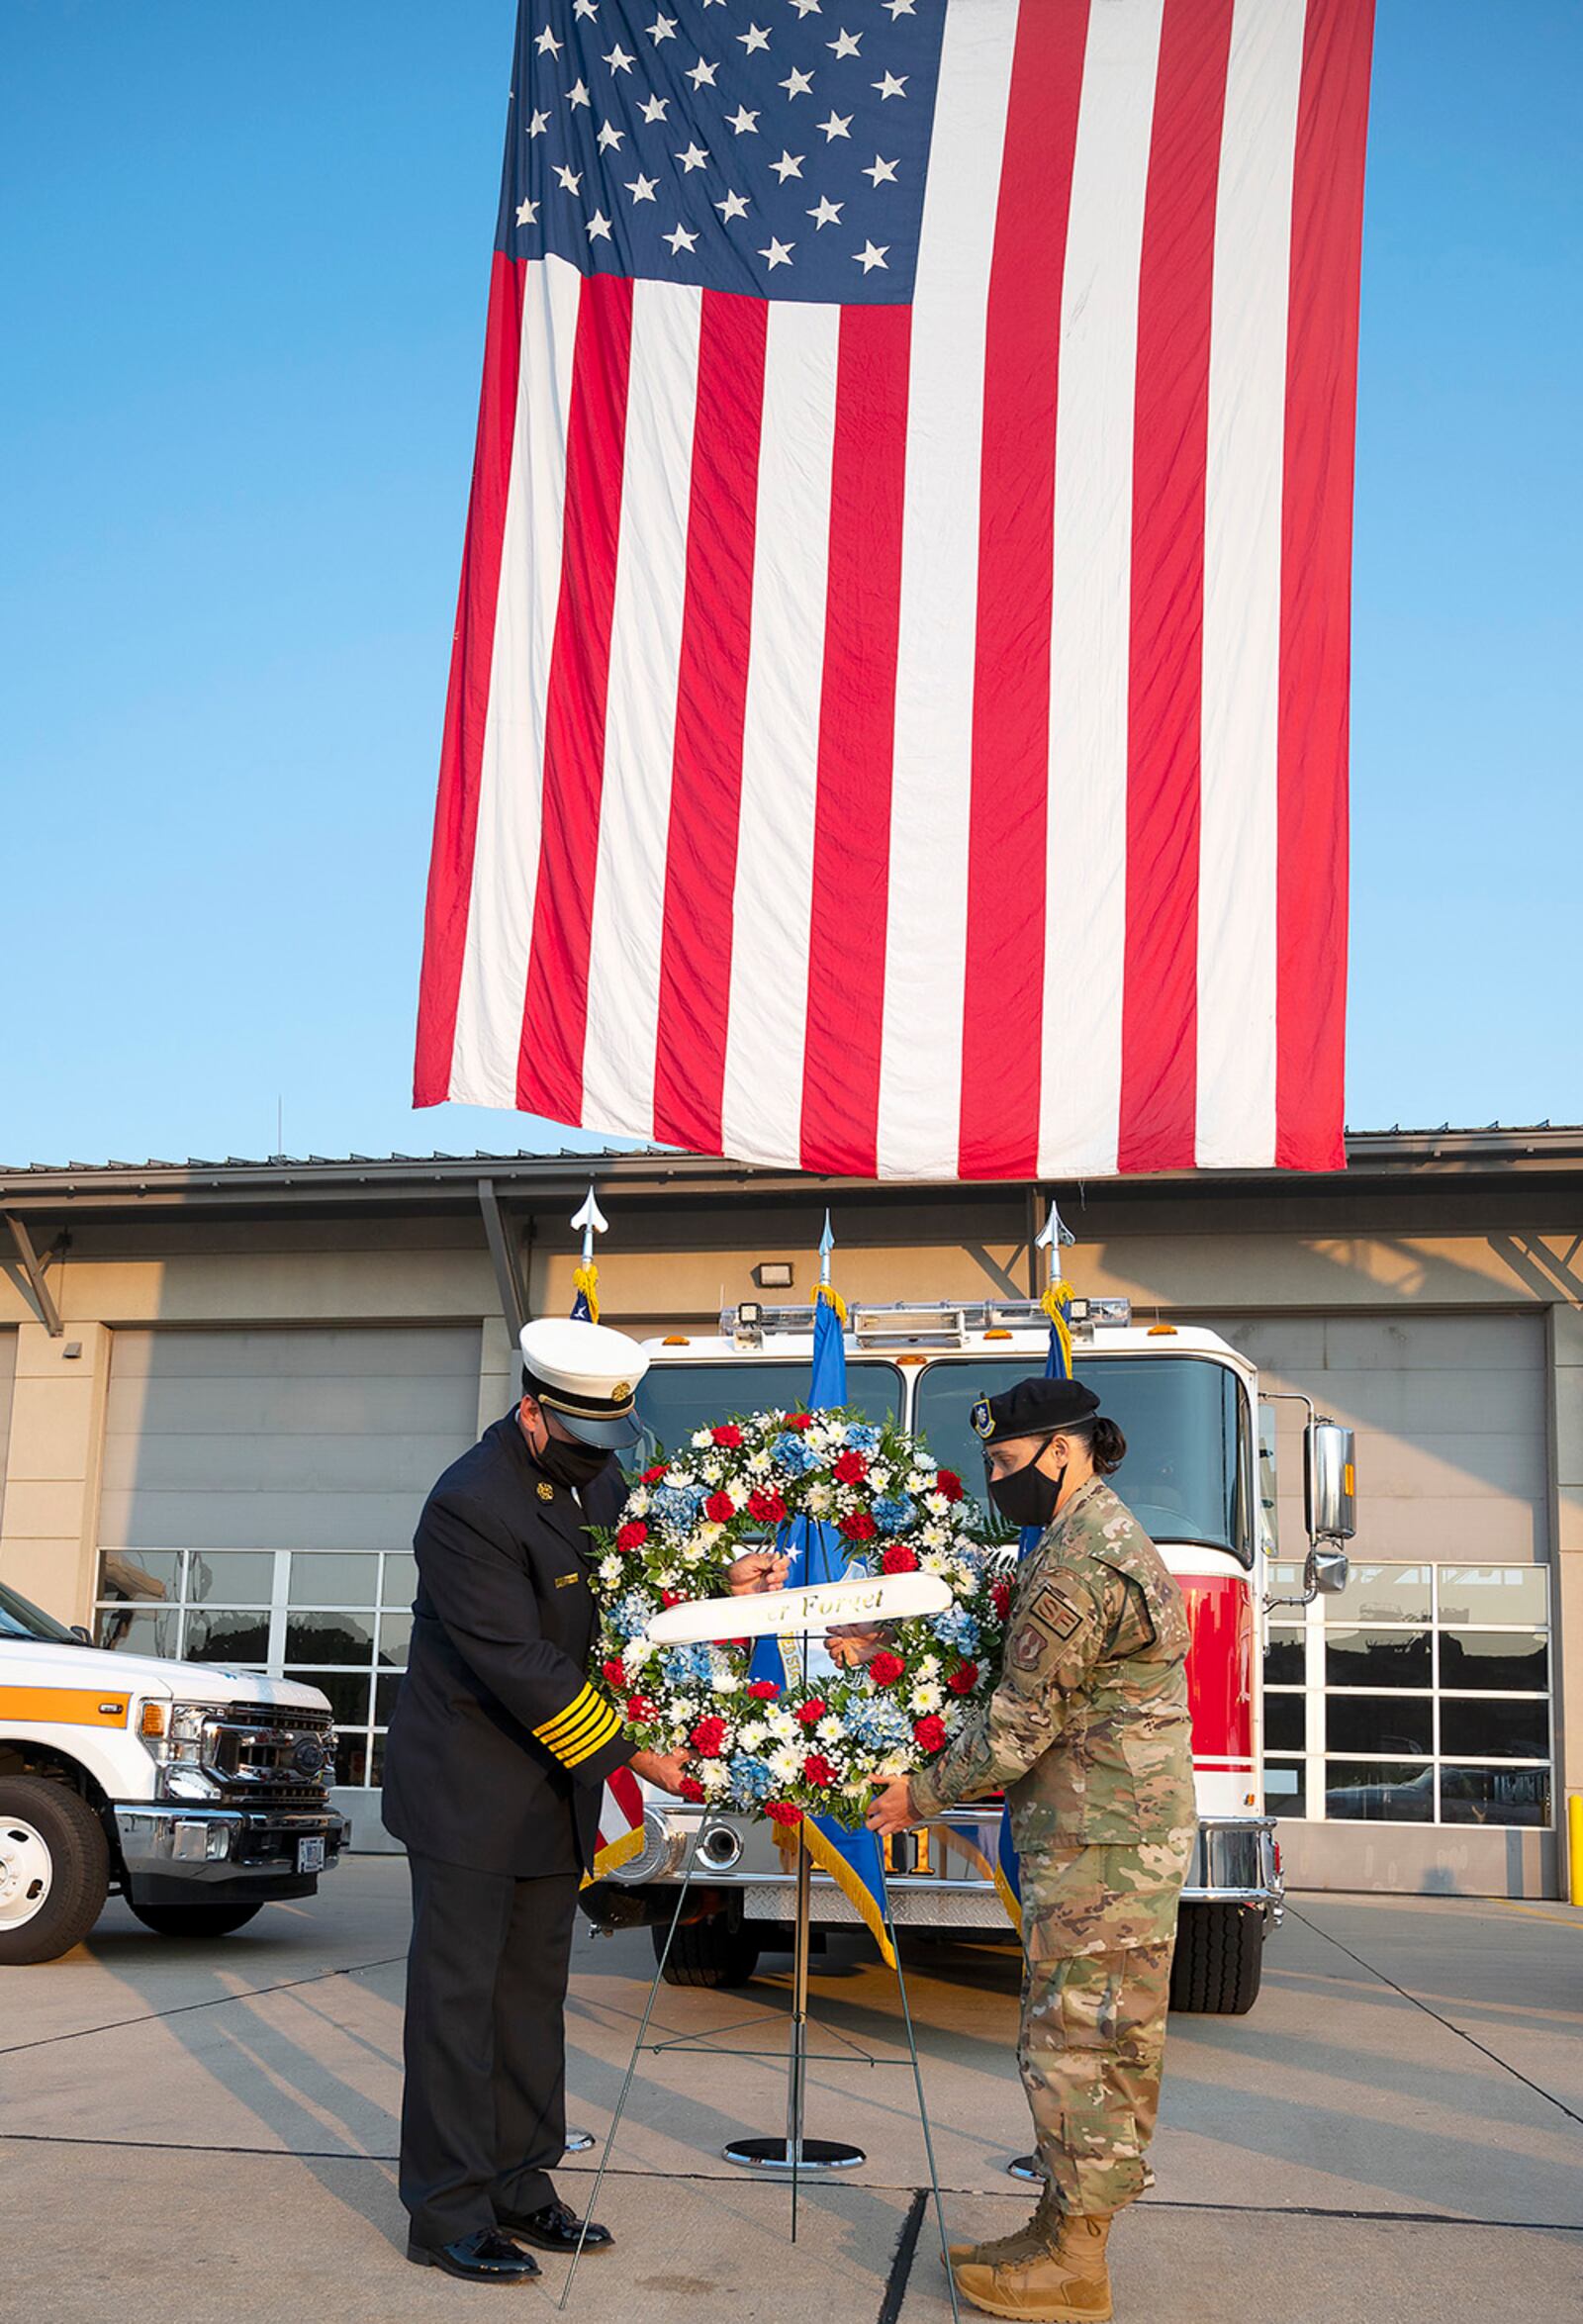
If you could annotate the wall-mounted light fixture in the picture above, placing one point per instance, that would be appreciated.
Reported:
(774, 1274)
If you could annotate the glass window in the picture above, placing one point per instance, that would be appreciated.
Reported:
(212, 1636)
(1382, 1593)
(347, 1691)
(1284, 1788)
(400, 1585)
(1495, 1794)
(231, 1577)
(1488, 1729)
(1512, 1662)
(1284, 1719)
(674, 1399)
(321, 1577)
(1286, 1659)
(394, 1637)
(386, 1687)
(1391, 1726)
(1376, 1658)
(1379, 1791)
(1179, 1415)
(141, 1573)
(329, 1637)
(158, 1634)
(351, 1759)
(1478, 1594)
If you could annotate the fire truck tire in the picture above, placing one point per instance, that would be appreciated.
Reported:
(1219, 1959)
(55, 1869)
(709, 1952)
(194, 1921)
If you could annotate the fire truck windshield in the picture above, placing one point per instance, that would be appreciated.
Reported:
(677, 1398)
(1183, 1478)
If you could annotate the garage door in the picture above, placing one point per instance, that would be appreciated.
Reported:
(258, 1499)
(1407, 1721)
(7, 1375)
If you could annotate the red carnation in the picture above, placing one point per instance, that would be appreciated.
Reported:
(950, 1484)
(691, 1789)
(812, 1711)
(849, 1469)
(652, 1476)
(886, 1669)
(730, 1435)
(1000, 1598)
(783, 1811)
(640, 1711)
(719, 1508)
(709, 1737)
(800, 1420)
(929, 1733)
(816, 1769)
(767, 1506)
(670, 1596)
(963, 1678)
(898, 1559)
(614, 1675)
(860, 1527)
(632, 1535)
(763, 1689)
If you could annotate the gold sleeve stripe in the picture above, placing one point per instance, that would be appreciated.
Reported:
(573, 1754)
(567, 1739)
(577, 1709)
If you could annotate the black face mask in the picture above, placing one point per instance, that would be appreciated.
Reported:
(570, 1463)
(1028, 1496)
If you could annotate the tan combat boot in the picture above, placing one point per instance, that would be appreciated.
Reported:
(1064, 2282)
(1038, 2234)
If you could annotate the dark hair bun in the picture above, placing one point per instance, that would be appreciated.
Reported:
(1108, 1446)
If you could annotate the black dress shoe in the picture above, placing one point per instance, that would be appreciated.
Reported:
(556, 2229)
(487, 2257)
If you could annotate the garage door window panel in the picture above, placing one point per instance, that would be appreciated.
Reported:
(215, 1636)
(1490, 1727)
(1381, 1658)
(1379, 1792)
(1496, 1795)
(327, 1577)
(331, 1638)
(1500, 1662)
(1392, 1726)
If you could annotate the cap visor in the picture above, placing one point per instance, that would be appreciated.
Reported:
(616, 1434)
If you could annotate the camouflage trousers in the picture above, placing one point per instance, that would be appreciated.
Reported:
(1099, 1925)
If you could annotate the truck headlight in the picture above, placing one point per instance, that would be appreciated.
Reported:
(173, 1734)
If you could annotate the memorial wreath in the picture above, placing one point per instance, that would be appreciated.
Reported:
(783, 1743)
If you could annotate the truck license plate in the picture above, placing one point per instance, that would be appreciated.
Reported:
(310, 1855)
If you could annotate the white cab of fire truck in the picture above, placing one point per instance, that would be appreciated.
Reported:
(1200, 1478)
(199, 1793)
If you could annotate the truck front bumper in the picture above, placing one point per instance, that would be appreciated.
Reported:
(1236, 1863)
(173, 1851)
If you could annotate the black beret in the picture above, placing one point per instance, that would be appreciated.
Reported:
(1033, 1408)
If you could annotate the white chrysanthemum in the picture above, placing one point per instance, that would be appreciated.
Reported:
(880, 1478)
(683, 1707)
(920, 1482)
(725, 1681)
(893, 1763)
(636, 1652)
(754, 1735)
(935, 1537)
(695, 1553)
(758, 1463)
(701, 1437)
(830, 1730)
(937, 1505)
(785, 1764)
(709, 1534)
(610, 1571)
(926, 1697)
(716, 1776)
(929, 1666)
(713, 1471)
(682, 1479)
(782, 1725)
(819, 1500)
(935, 1561)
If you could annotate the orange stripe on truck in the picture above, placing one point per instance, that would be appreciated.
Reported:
(63, 1705)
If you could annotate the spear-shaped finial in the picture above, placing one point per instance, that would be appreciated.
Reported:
(826, 1246)
(593, 1221)
(585, 1278)
(1056, 1298)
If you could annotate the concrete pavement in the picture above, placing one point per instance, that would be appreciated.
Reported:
(206, 2132)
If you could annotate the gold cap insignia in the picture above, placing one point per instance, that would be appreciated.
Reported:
(622, 1393)
(982, 1417)
(546, 1491)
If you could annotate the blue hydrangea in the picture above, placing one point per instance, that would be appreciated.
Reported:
(630, 1614)
(686, 1666)
(861, 1438)
(894, 1511)
(878, 1722)
(956, 1627)
(791, 1452)
(678, 1506)
(751, 1780)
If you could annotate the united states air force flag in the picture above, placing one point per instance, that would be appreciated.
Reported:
(906, 586)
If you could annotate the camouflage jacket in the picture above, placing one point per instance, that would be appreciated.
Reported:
(1087, 1730)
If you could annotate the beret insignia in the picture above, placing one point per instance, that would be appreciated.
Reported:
(982, 1417)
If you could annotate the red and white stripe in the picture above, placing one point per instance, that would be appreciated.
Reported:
(913, 741)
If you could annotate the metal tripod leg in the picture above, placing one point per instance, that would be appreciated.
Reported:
(923, 2107)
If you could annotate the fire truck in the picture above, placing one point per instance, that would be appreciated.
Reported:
(1199, 1477)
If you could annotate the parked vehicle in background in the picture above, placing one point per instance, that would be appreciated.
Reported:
(1199, 1477)
(197, 1793)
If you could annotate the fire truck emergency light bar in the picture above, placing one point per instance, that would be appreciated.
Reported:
(922, 1324)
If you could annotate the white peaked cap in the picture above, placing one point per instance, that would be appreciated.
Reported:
(587, 1376)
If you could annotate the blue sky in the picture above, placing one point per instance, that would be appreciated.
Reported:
(243, 272)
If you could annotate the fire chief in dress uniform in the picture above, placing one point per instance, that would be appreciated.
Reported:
(1087, 1733)
(498, 1754)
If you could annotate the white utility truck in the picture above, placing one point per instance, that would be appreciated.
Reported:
(197, 1793)
(1199, 1477)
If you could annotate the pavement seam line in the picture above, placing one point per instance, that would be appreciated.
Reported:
(287, 1985)
(1407, 1995)
(47, 2138)
(902, 2259)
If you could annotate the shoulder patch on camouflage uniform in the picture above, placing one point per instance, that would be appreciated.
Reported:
(1055, 1612)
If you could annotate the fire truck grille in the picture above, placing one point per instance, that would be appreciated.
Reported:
(277, 1751)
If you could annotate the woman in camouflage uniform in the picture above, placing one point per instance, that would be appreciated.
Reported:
(1087, 1734)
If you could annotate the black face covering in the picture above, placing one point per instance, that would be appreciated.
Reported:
(1028, 1496)
(570, 1463)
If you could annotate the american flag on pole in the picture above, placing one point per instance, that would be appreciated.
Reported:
(898, 714)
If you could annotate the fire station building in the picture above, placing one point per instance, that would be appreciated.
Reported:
(226, 1387)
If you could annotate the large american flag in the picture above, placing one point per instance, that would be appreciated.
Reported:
(899, 715)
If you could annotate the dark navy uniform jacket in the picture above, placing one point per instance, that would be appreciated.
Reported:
(498, 1747)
